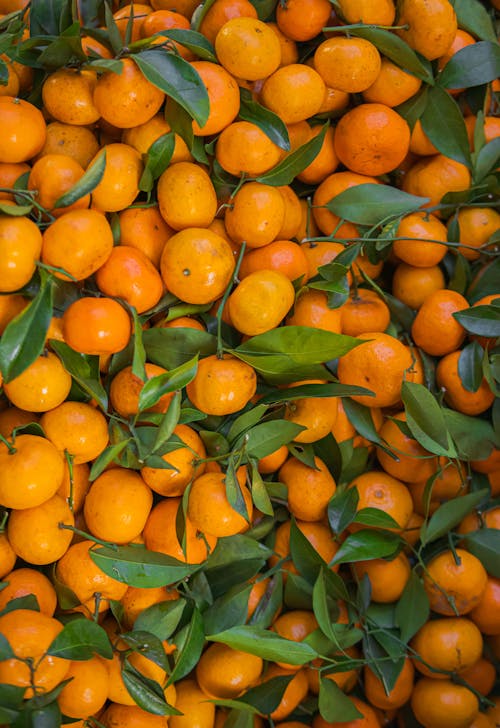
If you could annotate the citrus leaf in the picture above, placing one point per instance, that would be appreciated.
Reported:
(305, 557)
(334, 705)
(425, 419)
(265, 644)
(413, 109)
(321, 607)
(190, 642)
(50, 17)
(15, 210)
(170, 348)
(369, 204)
(448, 515)
(84, 369)
(366, 545)
(361, 419)
(397, 50)
(265, 438)
(301, 391)
(412, 609)
(148, 645)
(158, 158)
(376, 518)
(342, 509)
(285, 171)
(194, 41)
(269, 122)
(136, 566)
(176, 379)
(260, 496)
(487, 159)
(86, 184)
(228, 610)
(6, 651)
(266, 697)
(473, 16)
(443, 122)
(79, 640)
(473, 437)
(485, 545)
(472, 66)
(480, 320)
(147, 693)
(161, 619)
(245, 421)
(470, 366)
(106, 457)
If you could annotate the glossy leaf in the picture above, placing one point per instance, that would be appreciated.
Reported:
(266, 697)
(269, 122)
(136, 566)
(190, 645)
(480, 320)
(265, 438)
(85, 371)
(334, 705)
(285, 171)
(412, 609)
(50, 17)
(342, 509)
(425, 419)
(375, 518)
(369, 204)
(473, 17)
(161, 619)
(449, 515)
(158, 158)
(79, 639)
(470, 366)
(361, 419)
(176, 379)
(397, 50)
(487, 159)
(473, 436)
(6, 651)
(170, 348)
(265, 644)
(86, 184)
(304, 556)
(109, 455)
(443, 123)
(485, 545)
(147, 694)
(228, 610)
(148, 644)
(194, 41)
(366, 545)
(471, 66)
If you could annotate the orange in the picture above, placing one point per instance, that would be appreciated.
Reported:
(369, 719)
(372, 139)
(455, 588)
(8, 559)
(30, 634)
(223, 96)
(332, 186)
(91, 47)
(481, 675)
(225, 673)
(134, 14)
(476, 226)
(119, 693)
(435, 176)
(247, 48)
(316, 532)
(160, 534)
(184, 464)
(184, 7)
(45, 384)
(347, 64)
(295, 626)
(461, 40)
(420, 143)
(78, 242)
(411, 462)
(23, 130)
(346, 679)
(308, 489)
(311, 309)
(183, 322)
(76, 428)
(197, 265)
(119, 185)
(432, 26)
(387, 578)
(243, 148)
(293, 213)
(35, 533)
(294, 92)
(392, 86)
(96, 326)
(126, 99)
(455, 394)
(317, 414)
(12, 86)
(129, 274)
(490, 127)
(364, 311)
(307, 227)
(412, 285)
(319, 253)
(222, 386)
(284, 256)
(126, 387)
(486, 519)
(67, 95)
(186, 196)
(302, 21)
(382, 491)
(77, 142)
(449, 482)
(197, 711)
(289, 50)
(343, 429)
(416, 227)
(325, 162)
(378, 364)
(365, 11)
(141, 137)
(443, 704)
(486, 614)
(220, 12)
(145, 229)
(20, 248)
(255, 214)
(131, 716)
(209, 508)
(449, 644)
(260, 302)
(23, 581)
(88, 690)
(434, 328)
(74, 489)
(136, 599)
(10, 172)
(36, 468)
(400, 693)
(294, 693)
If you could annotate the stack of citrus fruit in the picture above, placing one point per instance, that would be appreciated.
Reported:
(249, 322)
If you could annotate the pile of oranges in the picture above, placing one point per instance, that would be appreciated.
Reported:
(249, 314)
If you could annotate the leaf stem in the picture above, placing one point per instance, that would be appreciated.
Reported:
(88, 536)
(234, 279)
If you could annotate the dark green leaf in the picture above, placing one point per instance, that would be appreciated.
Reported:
(79, 639)
(365, 545)
(265, 119)
(485, 545)
(285, 171)
(473, 16)
(334, 705)
(29, 601)
(228, 610)
(15, 210)
(109, 455)
(176, 379)
(480, 320)
(425, 419)
(361, 419)
(322, 606)
(180, 121)
(369, 204)
(472, 66)
(194, 41)
(397, 50)
(330, 389)
(342, 509)
(161, 619)
(267, 696)
(470, 366)
(148, 645)
(146, 693)
(50, 17)
(448, 515)
(473, 436)
(270, 604)
(267, 437)
(136, 566)
(158, 158)
(170, 348)
(245, 421)
(84, 369)
(6, 651)
(264, 9)
(178, 79)
(487, 159)
(305, 557)
(265, 644)
(412, 610)
(375, 518)
(190, 644)
(169, 422)
(86, 184)
(443, 122)
(413, 109)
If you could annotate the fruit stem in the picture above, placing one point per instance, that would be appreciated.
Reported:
(234, 279)
(9, 445)
(88, 536)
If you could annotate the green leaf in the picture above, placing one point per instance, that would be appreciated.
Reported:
(149, 645)
(375, 518)
(233, 560)
(158, 158)
(79, 640)
(267, 437)
(136, 566)
(15, 210)
(334, 705)
(425, 419)
(170, 348)
(147, 693)
(473, 17)
(50, 17)
(161, 619)
(443, 122)
(485, 545)
(109, 455)
(304, 556)
(23, 339)
(84, 369)
(228, 610)
(269, 122)
(472, 66)
(397, 50)
(449, 515)
(369, 204)
(322, 606)
(361, 419)
(473, 437)
(470, 366)
(178, 79)
(342, 509)
(285, 171)
(301, 391)
(176, 379)
(246, 421)
(168, 423)
(265, 644)
(270, 604)
(86, 184)
(480, 320)
(412, 609)
(266, 697)
(366, 545)
(194, 41)
(190, 642)
(487, 159)
(6, 651)
(413, 109)
(264, 9)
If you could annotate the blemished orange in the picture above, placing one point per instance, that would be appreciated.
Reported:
(455, 582)
(284, 256)
(434, 176)
(378, 364)
(294, 693)
(35, 533)
(210, 510)
(332, 186)
(8, 558)
(413, 462)
(247, 48)
(260, 301)
(129, 274)
(223, 95)
(294, 625)
(9, 174)
(294, 92)
(96, 326)
(316, 414)
(443, 704)
(455, 394)
(446, 644)
(160, 534)
(24, 581)
(372, 139)
(141, 137)
(78, 242)
(184, 462)
(377, 489)
(347, 64)
(67, 95)
(412, 285)
(126, 387)
(77, 142)
(308, 489)
(23, 130)
(476, 226)
(51, 176)
(369, 719)
(400, 693)
(30, 634)
(36, 468)
(197, 711)
(186, 196)
(78, 429)
(431, 26)
(364, 311)
(144, 228)
(243, 148)
(387, 578)
(20, 248)
(126, 99)
(220, 12)
(301, 21)
(223, 672)
(197, 265)
(393, 85)
(88, 690)
(222, 386)
(434, 328)
(416, 227)
(311, 309)
(119, 185)
(486, 614)
(255, 214)
(43, 385)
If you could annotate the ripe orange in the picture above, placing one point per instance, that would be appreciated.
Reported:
(35, 533)
(209, 508)
(184, 462)
(476, 226)
(434, 176)
(448, 644)
(88, 690)
(364, 311)
(76, 428)
(67, 95)
(431, 26)
(129, 274)
(222, 386)
(96, 326)
(443, 704)
(45, 384)
(260, 301)
(35, 467)
(23, 581)
(332, 186)
(247, 48)
(347, 64)
(308, 489)
(186, 196)
(387, 578)
(455, 587)
(23, 130)
(379, 490)
(223, 96)
(225, 673)
(434, 328)
(255, 214)
(455, 394)
(119, 185)
(53, 175)
(220, 12)
(20, 247)
(77, 142)
(301, 21)
(283, 256)
(416, 227)
(197, 711)
(412, 285)
(126, 387)
(294, 92)
(144, 228)
(400, 693)
(243, 148)
(294, 625)
(393, 85)
(311, 309)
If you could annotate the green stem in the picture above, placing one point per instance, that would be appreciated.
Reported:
(9, 445)
(87, 536)
(69, 461)
(234, 279)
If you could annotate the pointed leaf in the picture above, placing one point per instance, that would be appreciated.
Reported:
(194, 41)
(443, 122)
(366, 545)
(269, 122)
(85, 371)
(472, 66)
(334, 705)
(449, 515)
(285, 171)
(86, 184)
(369, 204)
(480, 320)
(485, 545)
(473, 17)
(190, 646)
(425, 419)
(412, 610)
(79, 639)
(136, 566)
(176, 379)
(265, 644)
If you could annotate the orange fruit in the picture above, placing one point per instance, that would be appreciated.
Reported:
(126, 387)
(364, 311)
(369, 719)
(317, 533)
(455, 394)
(317, 414)
(284, 256)
(74, 489)
(23, 130)
(67, 95)
(186, 196)
(294, 92)
(382, 491)
(96, 326)
(20, 248)
(433, 177)
(392, 86)
(412, 285)
(294, 625)
(443, 704)
(225, 673)
(400, 693)
(255, 214)
(243, 148)
(134, 14)
(302, 21)
(486, 614)
(53, 175)
(119, 185)
(387, 578)
(308, 489)
(413, 462)
(432, 26)
(476, 226)
(247, 48)
(136, 599)
(434, 328)
(145, 229)
(78, 429)
(325, 162)
(45, 384)
(420, 143)
(35, 533)
(8, 558)
(347, 64)
(129, 274)
(88, 690)
(24, 581)
(222, 386)
(481, 676)
(365, 11)
(289, 50)
(220, 12)
(210, 510)
(223, 96)
(142, 136)
(260, 301)
(294, 693)
(10, 172)
(131, 716)
(416, 227)
(448, 644)
(455, 586)
(311, 309)
(77, 142)
(197, 711)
